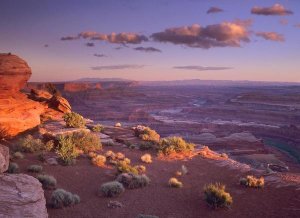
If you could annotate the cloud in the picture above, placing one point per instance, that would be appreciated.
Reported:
(271, 36)
(276, 9)
(297, 25)
(283, 21)
(147, 49)
(214, 10)
(66, 38)
(90, 44)
(201, 68)
(118, 67)
(100, 55)
(226, 34)
(120, 38)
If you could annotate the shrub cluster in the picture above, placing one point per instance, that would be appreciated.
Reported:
(30, 144)
(174, 144)
(86, 141)
(146, 133)
(66, 150)
(112, 189)
(124, 167)
(146, 158)
(175, 183)
(133, 181)
(97, 128)
(18, 155)
(62, 198)
(35, 168)
(216, 196)
(48, 182)
(74, 120)
(251, 181)
(99, 160)
(13, 168)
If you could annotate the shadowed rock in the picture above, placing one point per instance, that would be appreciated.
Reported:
(4, 158)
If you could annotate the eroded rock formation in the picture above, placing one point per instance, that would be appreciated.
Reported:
(4, 158)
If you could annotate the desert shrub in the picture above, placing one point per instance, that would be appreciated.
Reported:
(251, 181)
(92, 154)
(13, 168)
(224, 155)
(108, 142)
(118, 125)
(174, 144)
(99, 160)
(216, 196)
(125, 167)
(86, 141)
(146, 158)
(62, 198)
(146, 133)
(133, 181)
(146, 216)
(120, 156)
(49, 145)
(184, 170)
(48, 182)
(97, 128)
(112, 189)
(146, 145)
(41, 156)
(74, 120)
(30, 144)
(140, 168)
(110, 155)
(175, 183)
(66, 150)
(35, 168)
(18, 155)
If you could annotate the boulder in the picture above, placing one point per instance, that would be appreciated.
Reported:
(4, 158)
(14, 73)
(21, 196)
(59, 103)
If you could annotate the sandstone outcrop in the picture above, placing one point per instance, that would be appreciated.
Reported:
(21, 196)
(4, 158)
(59, 103)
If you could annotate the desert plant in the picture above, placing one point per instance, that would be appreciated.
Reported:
(125, 167)
(175, 183)
(112, 189)
(140, 168)
(35, 168)
(133, 181)
(146, 216)
(216, 196)
(30, 144)
(110, 155)
(62, 198)
(108, 142)
(18, 155)
(252, 181)
(86, 141)
(48, 182)
(97, 128)
(174, 144)
(146, 158)
(74, 120)
(99, 160)
(120, 156)
(66, 150)
(49, 145)
(146, 145)
(13, 168)
(146, 134)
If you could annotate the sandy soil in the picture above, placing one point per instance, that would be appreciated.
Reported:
(158, 199)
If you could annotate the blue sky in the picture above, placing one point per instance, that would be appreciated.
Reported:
(253, 54)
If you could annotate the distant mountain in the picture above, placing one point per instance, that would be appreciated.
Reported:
(94, 80)
(195, 82)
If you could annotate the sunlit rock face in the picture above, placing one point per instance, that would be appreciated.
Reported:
(17, 112)
(14, 73)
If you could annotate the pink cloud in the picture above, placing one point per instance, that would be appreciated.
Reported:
(271, 36)
(276, 9)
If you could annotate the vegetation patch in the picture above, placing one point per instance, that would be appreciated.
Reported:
(66, 150)
(35, 168)
(216, 196)
(124, 167)
(252, 181)
(74, 120)
(30, 144)
(171, 145)
(61, 198)
(175, 183)
(13, 168)
(99, 160)
(86, 141)
(146, 133)
(146, 158)
(18, 155)
(133, 181)
(48, 182)
(97, 128)
(112, 189)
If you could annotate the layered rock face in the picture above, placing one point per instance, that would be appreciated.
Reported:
(17, 112)
(4, 158)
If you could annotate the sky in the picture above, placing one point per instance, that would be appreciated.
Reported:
(154, 39)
